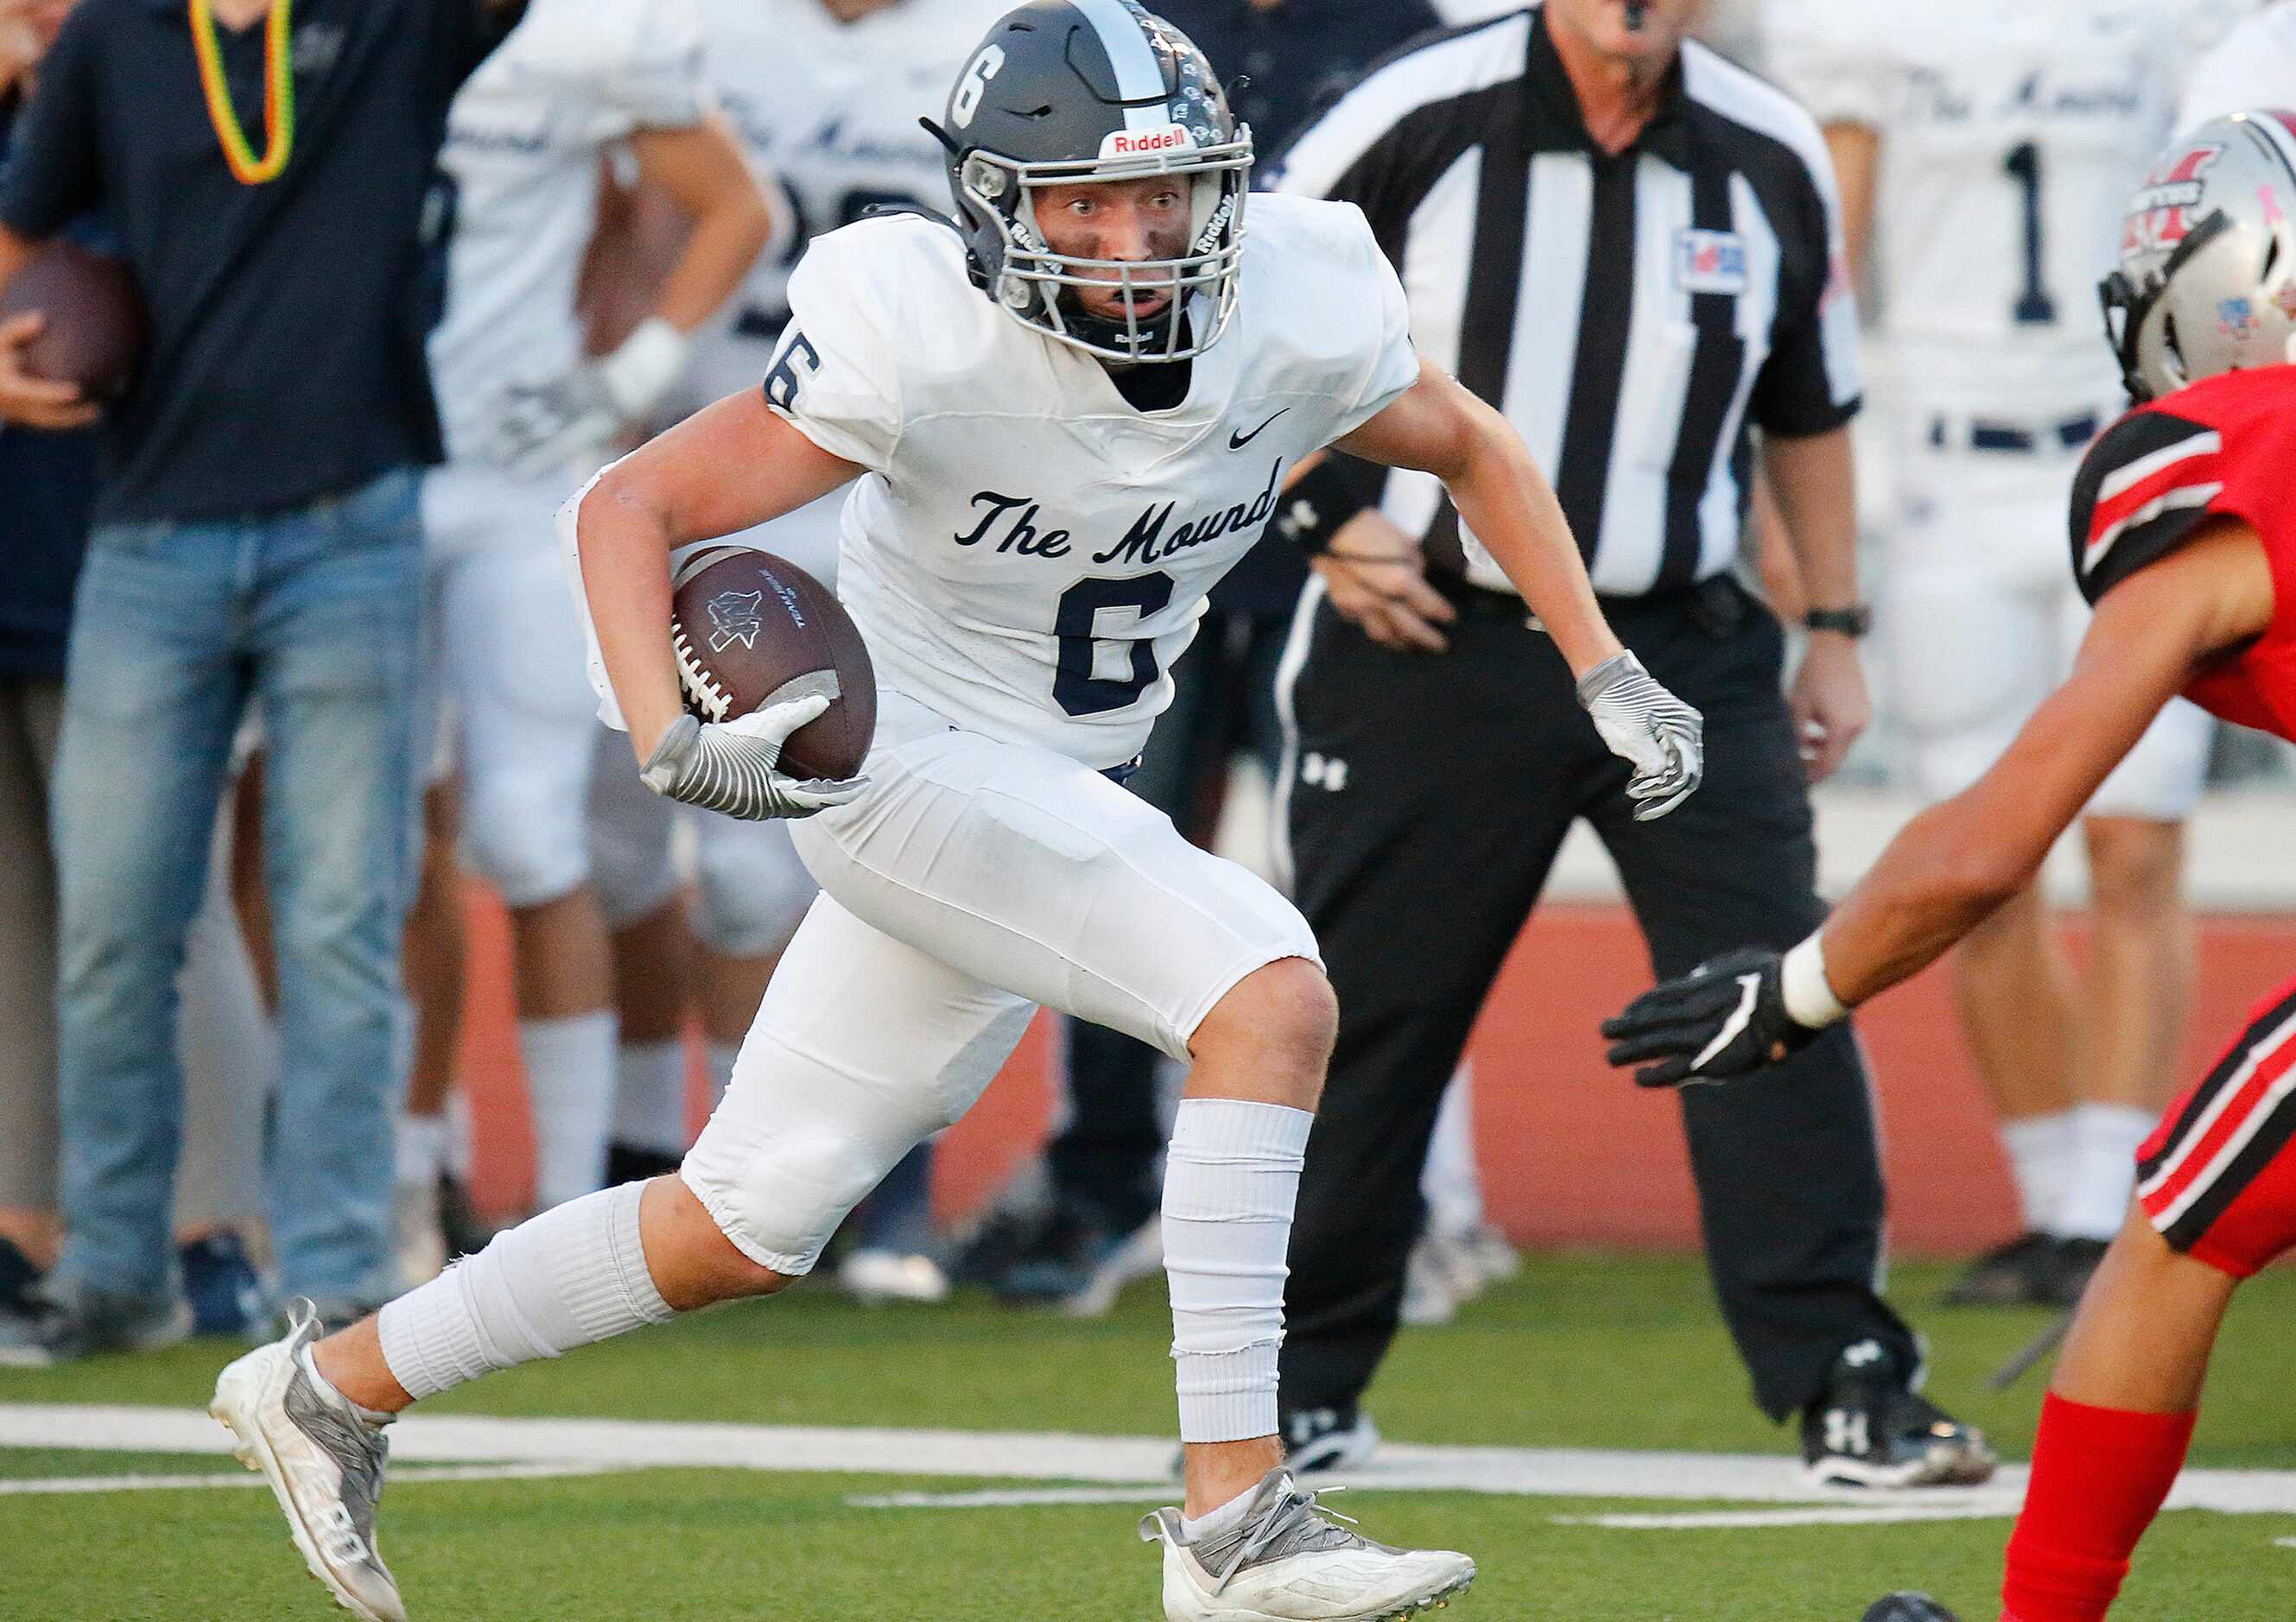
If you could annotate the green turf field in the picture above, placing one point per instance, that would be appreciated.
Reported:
(1579, 1352)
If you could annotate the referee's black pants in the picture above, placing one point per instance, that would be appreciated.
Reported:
(1429, 797)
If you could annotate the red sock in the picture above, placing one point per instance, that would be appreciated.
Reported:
(2099, 1475)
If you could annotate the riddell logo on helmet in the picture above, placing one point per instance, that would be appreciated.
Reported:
(1147, 143)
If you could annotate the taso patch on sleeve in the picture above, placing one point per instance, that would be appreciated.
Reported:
(1709, 262)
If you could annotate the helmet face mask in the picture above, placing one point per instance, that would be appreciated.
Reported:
(2207, 281)
(1089, 91)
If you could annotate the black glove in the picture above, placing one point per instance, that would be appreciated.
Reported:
(1906, 1606)
(1726, 1018)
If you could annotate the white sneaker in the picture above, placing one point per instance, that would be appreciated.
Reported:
(324, 1460)
(888, 1275)
(422, 1235)
(1430, 1294)
(1140, 1256)
(1287, 1562)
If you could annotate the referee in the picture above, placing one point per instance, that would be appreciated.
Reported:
(1632, 248)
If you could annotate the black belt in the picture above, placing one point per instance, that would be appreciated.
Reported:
(2070, 434)
(1718, 603)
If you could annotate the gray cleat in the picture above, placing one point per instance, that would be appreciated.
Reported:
(1288, 1563)
(324, 1460)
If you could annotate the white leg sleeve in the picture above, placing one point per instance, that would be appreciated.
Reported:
(1449, 1182)
(650, 1096)
(570, 1276)
(570, 1084)
(1230, 1183)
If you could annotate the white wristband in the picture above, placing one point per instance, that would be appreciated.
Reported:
(1802, 986)
(641, 371)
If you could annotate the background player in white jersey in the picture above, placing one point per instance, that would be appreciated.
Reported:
(527, 418)
(1987, 150)
(824, 96)
(1066, 423)
(2253, 66)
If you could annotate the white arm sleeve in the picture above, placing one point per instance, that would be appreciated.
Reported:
(1830, 57)
(2253, 66)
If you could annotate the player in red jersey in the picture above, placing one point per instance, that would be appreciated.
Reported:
(2184, 530)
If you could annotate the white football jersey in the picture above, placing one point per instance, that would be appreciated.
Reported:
(523, 141)
(830, 109)
(1027, 553)
(2012, 134)
(2253, 66)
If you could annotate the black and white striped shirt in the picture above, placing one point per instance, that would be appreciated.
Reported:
(1635, 317)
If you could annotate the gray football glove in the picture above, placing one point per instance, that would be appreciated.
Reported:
(1647, 726)
(728, 766)
(539, 427)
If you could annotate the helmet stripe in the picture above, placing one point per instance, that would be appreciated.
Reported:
(2279, 130)
(1139, 77)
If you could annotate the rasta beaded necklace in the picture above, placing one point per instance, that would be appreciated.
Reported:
(278, 94)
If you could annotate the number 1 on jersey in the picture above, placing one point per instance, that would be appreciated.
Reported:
(2035, 307)
(1075, 688)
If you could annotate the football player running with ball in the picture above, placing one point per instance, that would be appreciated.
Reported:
(1067, 417)
(2184, 533)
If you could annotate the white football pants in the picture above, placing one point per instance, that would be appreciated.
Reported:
(511, 650)
(1981, 619)
(975, 880)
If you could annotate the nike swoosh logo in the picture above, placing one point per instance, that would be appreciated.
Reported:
(1236, 441)
(1749, 987)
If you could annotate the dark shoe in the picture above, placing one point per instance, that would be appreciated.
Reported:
(1319, 1439)
(2074, 1264)
(2020, 1273)
(17, 1277)
(627, 1163)
(466, 1232)
(226, 1296)
(1870, 1429)
(1906, 1606)
(44, 1331)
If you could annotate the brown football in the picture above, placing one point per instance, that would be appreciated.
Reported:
(97, 331)
(747, 625)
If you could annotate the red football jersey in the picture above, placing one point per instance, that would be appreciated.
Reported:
(2227, 445)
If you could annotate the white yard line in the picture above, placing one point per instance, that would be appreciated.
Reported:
(36, 1486)
(1145, 1462)
(1818, 1515)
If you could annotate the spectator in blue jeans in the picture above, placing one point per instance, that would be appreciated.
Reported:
(256, 539)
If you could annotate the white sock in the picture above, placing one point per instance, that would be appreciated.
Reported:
(2040, 1149)
(570, 1082)
(570, 1277)
(721, 1057)
(2105, 1141)
(422, 1148)
(1214, 1523)
(373, 1418)
(1231, 1179)
(650, 1096)
(1449, 1183)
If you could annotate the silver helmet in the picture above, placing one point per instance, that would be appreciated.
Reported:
(2207, 282)
(1063, 91)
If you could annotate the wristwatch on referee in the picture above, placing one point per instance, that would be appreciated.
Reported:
(1852, 622)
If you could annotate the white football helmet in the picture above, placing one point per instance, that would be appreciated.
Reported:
(2207, 282)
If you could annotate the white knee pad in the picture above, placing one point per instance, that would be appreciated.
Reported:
(570, 1277)
(862, 1047)
(633, 866)
(754, 890)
